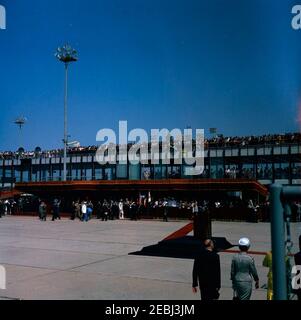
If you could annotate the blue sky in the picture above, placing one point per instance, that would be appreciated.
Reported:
(234, 65)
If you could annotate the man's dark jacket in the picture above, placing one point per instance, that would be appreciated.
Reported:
(206, 270)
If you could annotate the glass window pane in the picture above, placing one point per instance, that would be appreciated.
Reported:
(244, 152)
(45, 173)
(25, 176)
(56, 174)
(17, 174)
(109, 174)
(234, 152)
(219, 153)
(134, 172)
(35, 174)
(88, 175)
(294, 149)
(121, 171)
(228, 153)
(98, 173)
(251, 151)
(74, 174)
(212, 153)
(260, 151)
(164, 171)
(87, 172)
(8, 172)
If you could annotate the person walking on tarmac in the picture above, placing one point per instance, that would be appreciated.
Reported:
(133, 210)
(56, 209)
(121, 209)
(243, 271)
(43, 211)
(207, 272)
(84, 211)
(165, 211)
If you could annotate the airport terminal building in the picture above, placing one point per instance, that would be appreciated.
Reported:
(274, 160)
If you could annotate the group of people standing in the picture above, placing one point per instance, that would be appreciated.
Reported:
(8, 207)
(103, 209)
(55, 209)
(82, 210)
(207, 272)
(106, 210)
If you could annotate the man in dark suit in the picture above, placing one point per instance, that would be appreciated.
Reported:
(2, 209)
(298, 263)
(207, 273)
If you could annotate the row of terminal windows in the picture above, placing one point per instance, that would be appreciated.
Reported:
(217, 169)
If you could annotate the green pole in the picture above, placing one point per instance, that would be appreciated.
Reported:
(278, 249)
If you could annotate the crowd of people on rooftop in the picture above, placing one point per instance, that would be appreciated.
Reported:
(277, 139)
(216, 141)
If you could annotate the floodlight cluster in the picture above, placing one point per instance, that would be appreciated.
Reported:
(66, 54)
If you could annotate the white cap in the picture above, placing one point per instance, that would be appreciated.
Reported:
(244, 242)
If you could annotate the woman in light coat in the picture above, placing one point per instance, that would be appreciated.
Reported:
(243, 272)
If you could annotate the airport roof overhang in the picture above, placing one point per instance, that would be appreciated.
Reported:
(193, 185)
(9, 194)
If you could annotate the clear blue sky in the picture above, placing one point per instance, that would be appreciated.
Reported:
(230, 64)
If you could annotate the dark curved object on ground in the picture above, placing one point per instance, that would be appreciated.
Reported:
(187, 247)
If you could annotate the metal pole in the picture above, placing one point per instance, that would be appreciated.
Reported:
(20, 133)
(65, 123)
(291, 193)
(278, 248)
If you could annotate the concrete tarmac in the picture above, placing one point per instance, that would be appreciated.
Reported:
(90, 260)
